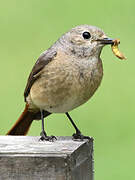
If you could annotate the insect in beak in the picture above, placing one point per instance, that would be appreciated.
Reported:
(115, 49)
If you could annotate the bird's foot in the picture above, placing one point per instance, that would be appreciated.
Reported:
(44, 137)
(79, 137)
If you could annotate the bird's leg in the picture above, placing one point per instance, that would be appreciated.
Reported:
(43, 134)
(77, 135)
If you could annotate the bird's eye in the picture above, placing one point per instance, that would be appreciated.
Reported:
(86, 35)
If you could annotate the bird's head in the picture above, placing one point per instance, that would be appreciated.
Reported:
(85, 41)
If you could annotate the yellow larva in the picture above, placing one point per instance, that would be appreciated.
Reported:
(116, 51)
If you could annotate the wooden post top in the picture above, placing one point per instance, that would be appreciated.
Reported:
(32, 146)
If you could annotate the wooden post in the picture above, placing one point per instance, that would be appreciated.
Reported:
(27, 158)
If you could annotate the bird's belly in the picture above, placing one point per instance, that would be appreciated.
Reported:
(63, 91)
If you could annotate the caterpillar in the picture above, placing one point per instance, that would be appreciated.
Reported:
(115, 49)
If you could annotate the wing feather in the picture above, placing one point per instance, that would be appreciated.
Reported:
(42, 61)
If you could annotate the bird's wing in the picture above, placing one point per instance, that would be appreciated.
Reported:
(42, 61)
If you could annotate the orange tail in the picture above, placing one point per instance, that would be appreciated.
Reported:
(23, 124)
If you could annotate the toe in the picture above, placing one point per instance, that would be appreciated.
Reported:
(48, 138)
(80, 137)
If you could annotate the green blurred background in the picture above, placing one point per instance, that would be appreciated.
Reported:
(27, 28)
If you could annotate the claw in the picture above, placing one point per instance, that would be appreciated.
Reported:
(44, 137)
(79, 137)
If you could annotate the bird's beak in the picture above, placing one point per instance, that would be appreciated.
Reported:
(106, 41)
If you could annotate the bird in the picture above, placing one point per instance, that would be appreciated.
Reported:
(64, 77)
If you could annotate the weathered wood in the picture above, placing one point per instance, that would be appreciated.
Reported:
(27, 158)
